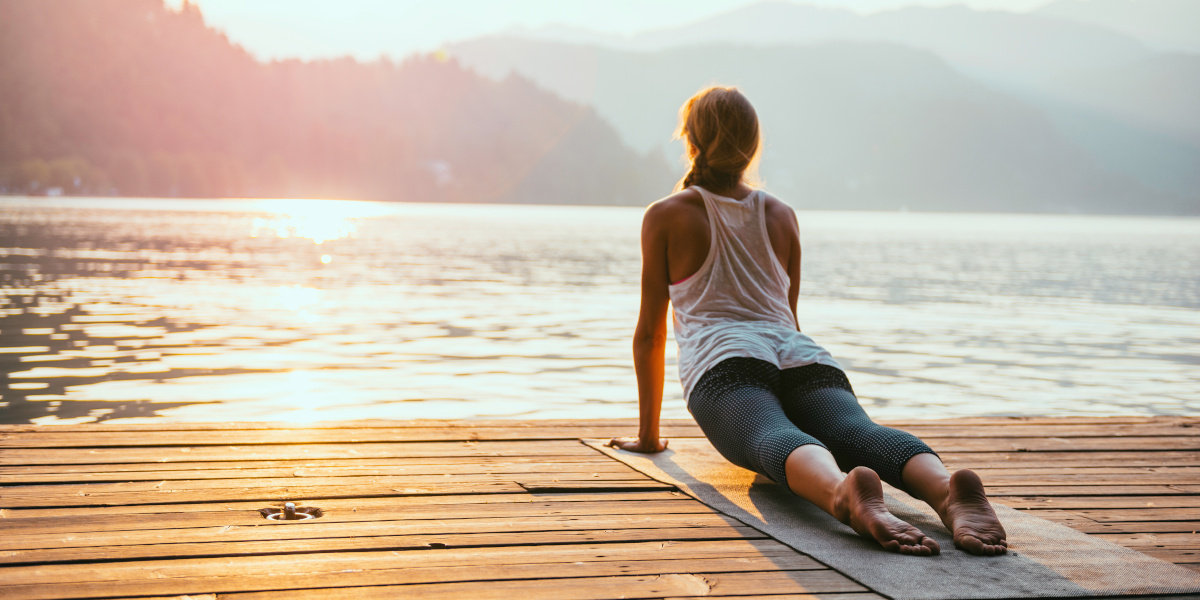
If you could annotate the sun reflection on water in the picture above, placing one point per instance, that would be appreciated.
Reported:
(318, 220)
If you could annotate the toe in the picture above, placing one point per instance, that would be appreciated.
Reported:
(932, 545)
(970, 543)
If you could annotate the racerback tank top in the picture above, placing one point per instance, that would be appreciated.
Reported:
(736, 304)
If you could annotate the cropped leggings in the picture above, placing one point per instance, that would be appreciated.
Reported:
(755, 415)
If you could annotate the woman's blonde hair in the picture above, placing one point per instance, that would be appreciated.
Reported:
(720, 129)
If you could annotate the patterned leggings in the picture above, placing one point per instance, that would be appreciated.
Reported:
(755, 415)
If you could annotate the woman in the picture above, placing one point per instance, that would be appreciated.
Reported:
(770, 399)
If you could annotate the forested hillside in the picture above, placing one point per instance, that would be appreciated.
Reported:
(129, 97)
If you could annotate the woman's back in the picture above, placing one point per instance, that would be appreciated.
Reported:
(686, 221)
(741, 278)
(739, 299)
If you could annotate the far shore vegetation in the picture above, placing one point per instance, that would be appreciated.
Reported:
(131, 98)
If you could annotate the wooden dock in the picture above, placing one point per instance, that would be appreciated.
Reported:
(500, 509)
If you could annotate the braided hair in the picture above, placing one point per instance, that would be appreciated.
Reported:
(720, 128)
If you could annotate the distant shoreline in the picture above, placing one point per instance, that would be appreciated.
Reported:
(147, 202)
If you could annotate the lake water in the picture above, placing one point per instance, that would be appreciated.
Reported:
(197, 310)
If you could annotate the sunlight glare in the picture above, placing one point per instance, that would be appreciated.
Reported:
(297, 298)
(317, 220)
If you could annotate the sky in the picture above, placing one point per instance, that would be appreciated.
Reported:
(368, 29)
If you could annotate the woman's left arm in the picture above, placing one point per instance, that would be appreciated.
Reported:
(789, 228)
(650, 337)
(794, 275)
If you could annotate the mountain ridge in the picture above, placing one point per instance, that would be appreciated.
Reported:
(1107, 98)
(905, 129)
(1167, 25)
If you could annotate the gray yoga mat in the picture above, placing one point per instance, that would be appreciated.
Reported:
(1046, 560)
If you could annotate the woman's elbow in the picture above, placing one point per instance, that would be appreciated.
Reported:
(646, 341)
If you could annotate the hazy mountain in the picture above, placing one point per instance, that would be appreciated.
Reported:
(848, 125)
(1140, 118)
(127, 94)
(1169, 25)
(1106, 96)
(1002, 44)
(1160, 93)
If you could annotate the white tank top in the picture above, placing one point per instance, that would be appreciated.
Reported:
(736, 305)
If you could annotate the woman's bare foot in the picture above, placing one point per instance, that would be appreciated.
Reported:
(858, 502)
(969, 516)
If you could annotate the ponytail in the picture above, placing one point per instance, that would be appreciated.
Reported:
(720, 129)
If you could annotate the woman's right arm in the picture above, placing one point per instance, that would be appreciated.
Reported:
(650, 337)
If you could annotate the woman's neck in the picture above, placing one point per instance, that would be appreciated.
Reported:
(737, 192)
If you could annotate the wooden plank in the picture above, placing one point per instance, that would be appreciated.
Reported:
(495, 468)
(1052, 430)
(592, 588)
(344, 503)
(1182, 472)
(1157, 458)
(177, 485)
(1133, 502)
(565, 485)
(96, 439)
(392, 568)
(1064, 444)
(1174, 540)
(317, 528)
(281, 579)
(1089, 479)
(424, 557)
(1087, 525)
(594, 458)
(80, 523)
(1174, 555)
(32, 496)
(99, 456)
(1144, 514)
(349, 480)
(380, 542)
(1089, 490)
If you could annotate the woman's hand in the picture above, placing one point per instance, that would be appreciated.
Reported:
(637, 444)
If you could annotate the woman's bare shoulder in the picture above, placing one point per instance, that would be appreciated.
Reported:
(773, 203)
(778, 210)
(680, 205)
